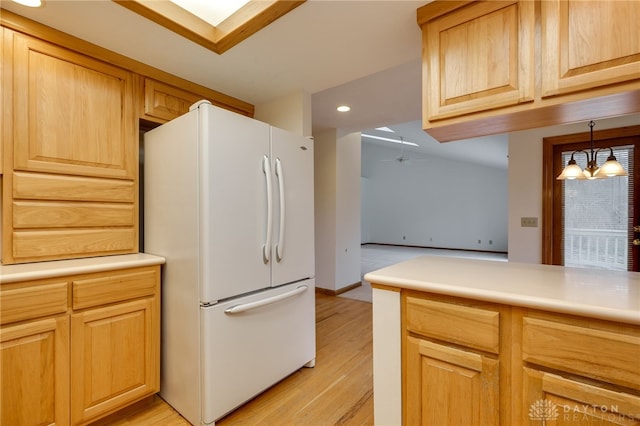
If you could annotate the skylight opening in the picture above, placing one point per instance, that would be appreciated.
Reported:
(211, 11)
(380, 138)
(385, 129)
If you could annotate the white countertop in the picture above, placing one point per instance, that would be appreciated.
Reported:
(57, 268)
(610, 295)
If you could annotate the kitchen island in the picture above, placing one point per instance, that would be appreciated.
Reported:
(460, 341)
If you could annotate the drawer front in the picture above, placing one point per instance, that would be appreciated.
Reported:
(35, 301)
(468, 326)
(114, 287)
(37, 245)
(602, 355)
(47, 214)
(42, 186)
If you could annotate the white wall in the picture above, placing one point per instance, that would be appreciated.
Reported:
(348, 209)
(325, 207)
(337, 206)
(433, 203)
(292, 113)
(525, 182)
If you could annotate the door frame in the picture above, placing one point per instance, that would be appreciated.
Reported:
(551, 195)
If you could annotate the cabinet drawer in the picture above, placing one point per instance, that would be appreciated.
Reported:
(37, 245)
(35, 301)
(602, 355)
(468, 326)
(44, 214)
(102, 290)
(42, 186)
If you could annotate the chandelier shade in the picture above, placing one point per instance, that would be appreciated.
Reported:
(610, 168)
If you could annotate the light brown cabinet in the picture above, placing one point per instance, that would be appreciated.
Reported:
(586, 45)
(73, 115)
(579, 370)
(78, 347)
(478, 58)
(452, 362)
(449, 386)
(163, 101)
(34, 359)
(71, 172)
(69, 126)
(474, 363)
(499, 66)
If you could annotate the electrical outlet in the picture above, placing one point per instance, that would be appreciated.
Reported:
(529, 222)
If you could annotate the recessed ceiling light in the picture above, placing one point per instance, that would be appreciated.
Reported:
(29, 3)
(344, 108)
(380, 138)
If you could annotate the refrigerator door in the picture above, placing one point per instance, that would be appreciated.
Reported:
(234, 164)
(293, 224)
(250, 343)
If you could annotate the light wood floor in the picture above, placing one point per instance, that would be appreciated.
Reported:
(337, 391)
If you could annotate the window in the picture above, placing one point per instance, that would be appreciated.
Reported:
(590, 223)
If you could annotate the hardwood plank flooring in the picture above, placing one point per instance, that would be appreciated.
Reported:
(337, 391)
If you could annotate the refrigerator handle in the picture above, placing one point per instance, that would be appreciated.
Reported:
(280, 244)
(266, 248)
(236, 309)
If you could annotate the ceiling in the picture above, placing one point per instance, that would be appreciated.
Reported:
(365, 53)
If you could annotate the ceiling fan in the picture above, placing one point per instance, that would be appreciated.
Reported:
(402, 158)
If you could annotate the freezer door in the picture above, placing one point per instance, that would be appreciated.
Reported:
(234, 164)
(293, 230)
(251, 343)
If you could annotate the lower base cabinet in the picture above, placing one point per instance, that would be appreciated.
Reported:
(554, 399)
(112, 354)
(468, 363)
(101, 355)
(34, 359)
(449, 386)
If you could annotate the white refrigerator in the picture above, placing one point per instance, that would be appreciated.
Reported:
(228, 201)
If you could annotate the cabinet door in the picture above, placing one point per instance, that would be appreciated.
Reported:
(72, 114)
(448, 386)
(34, 366)
(163, 102)
(550, 398)
(478, 57)
(588, 44)
(115, 357)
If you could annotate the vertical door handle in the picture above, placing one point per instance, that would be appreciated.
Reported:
(266, 248)
(280, 244)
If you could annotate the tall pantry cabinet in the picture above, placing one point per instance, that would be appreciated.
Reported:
(70, 154)
(79, 330)
(74, 347)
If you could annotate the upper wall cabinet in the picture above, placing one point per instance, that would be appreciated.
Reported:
(494, 67)
(70, 146)
(73, 115)
(588, 44)
(478, 58)
(69, 187)
(162, 102)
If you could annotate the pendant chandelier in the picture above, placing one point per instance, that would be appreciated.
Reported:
(610, 168)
